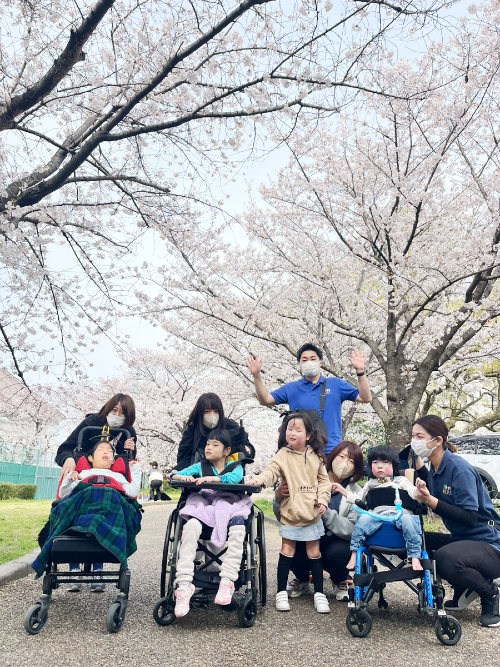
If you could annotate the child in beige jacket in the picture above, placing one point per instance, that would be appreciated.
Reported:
(300, 462)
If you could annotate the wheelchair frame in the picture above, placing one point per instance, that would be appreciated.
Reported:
(251, 585)
(69, 548)
(72, 547)
(367, 581)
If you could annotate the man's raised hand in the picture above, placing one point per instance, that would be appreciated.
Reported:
(254, 364)
(358, 361)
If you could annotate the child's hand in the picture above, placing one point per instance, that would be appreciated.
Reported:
(74, 476)
(252, 482)
(209, 479)
(338, 488)
(183, 478)
(321, 509)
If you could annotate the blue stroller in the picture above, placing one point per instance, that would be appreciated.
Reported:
(387, 542)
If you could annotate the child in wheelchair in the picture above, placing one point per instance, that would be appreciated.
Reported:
(217, 452)
(102, 459)
(383, 463)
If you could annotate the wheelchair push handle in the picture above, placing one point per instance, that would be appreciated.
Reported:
(94, 431)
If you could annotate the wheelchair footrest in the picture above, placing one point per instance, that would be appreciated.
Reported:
(378, 578)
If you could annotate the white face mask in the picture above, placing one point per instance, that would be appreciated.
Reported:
(114, 421)
(420, 448)
(310, 369)
(210, 421)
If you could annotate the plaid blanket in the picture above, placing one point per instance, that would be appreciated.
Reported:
(114, 520)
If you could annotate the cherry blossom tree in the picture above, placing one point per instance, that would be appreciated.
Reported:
(165, 386)
(383, 233)
(118, 117)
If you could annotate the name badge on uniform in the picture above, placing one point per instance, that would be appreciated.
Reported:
(446, 490)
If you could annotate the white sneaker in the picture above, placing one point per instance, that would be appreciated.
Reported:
(282, 601)
(341, 591)
(297, 588)
(321, 603)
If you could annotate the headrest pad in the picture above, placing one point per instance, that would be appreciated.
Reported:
(118, 465)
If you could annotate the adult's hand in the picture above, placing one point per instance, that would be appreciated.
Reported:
(357, 361)
(422, 494)
(254, 365)
(129, 444)
(68, 466)
(282, 490)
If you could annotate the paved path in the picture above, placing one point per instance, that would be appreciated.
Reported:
(75, 632)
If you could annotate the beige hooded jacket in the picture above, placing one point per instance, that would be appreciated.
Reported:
(308, 484)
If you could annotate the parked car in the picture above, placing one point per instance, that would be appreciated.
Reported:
(482, 452)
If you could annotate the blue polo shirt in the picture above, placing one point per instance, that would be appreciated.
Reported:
(305, 395)
(457, 483)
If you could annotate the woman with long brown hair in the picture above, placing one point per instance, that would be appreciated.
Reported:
(118, 412)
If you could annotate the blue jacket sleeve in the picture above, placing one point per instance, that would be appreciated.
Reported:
(193, 470)
(233, 477)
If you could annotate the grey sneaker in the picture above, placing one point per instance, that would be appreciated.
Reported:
(341, 591)
(461, 599)
(297, 588)
(74, 588)
(97, 587)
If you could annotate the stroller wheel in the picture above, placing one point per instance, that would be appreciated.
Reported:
(247, 613)
(163, 612)
(32, 624)
(359, 623)
(448, 630)
(115, 618)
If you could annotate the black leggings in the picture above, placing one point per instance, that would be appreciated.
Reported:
(155, 489)
(465, 563)
(335, 553)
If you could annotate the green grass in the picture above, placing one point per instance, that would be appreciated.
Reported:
(174, 494)
(266, 506)
(20, 523)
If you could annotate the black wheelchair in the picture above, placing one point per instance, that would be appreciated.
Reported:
(78, 547)
(251, 585)
(367, 580)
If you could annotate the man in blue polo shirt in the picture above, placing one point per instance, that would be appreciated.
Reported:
(305, 393)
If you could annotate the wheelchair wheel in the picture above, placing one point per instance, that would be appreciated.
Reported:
(115, 618)
(163, 612)
(359, 623)
(261, 554)
(247, 613)
(448, 630)
(169, 539)
(31, 623)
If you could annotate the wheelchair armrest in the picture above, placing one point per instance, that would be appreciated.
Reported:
(362, 504)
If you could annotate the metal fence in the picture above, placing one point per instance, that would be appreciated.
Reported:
(29, 465)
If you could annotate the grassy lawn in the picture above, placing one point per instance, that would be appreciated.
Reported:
(265, 505)
(20, 523)
(174, 494)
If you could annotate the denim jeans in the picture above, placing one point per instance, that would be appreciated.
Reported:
(408, 523)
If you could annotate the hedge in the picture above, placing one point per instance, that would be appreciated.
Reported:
(18, 491)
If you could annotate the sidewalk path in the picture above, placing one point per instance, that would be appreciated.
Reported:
(75, 632)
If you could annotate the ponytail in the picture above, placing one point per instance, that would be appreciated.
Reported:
(450, 447)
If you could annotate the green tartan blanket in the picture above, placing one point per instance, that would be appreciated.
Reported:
(114, 520)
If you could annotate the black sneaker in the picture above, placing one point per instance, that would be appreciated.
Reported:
(490, 611)
(462, 597)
